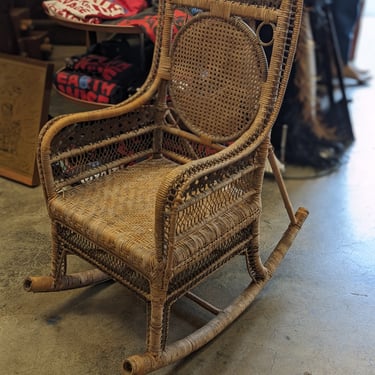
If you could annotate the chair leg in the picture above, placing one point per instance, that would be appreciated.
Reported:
(280, 183)
(254, 263)
(59, 280)
(58, 256)
(157, 325)
(158, 313)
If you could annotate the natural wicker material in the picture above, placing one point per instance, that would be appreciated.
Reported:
(162, 190)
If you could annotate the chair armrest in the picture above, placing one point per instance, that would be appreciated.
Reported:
(202, 191)
(81, 146)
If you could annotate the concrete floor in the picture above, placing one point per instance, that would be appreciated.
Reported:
(316, 316)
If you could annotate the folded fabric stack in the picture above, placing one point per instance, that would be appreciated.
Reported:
(149, 22)
(99, 79)
(93, 11)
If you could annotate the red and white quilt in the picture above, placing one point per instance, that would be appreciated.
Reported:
(93, 11)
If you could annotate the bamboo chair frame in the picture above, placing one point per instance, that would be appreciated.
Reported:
(187, 169)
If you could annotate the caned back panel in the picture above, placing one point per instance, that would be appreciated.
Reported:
(218, 68)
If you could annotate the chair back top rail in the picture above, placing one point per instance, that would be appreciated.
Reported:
(245, 10)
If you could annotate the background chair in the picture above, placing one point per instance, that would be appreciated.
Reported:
(162, 190)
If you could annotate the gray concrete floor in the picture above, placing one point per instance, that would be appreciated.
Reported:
(316, 316)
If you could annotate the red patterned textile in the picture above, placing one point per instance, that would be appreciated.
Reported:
(93, 11)
(149, 23)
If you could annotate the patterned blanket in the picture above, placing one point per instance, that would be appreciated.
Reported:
(93, 11)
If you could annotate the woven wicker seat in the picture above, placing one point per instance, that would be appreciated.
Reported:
(162, 190)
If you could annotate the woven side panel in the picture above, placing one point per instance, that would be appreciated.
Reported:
(102, 158)
(75, 243)
(220, 253)
(211, 198)
(84, 149)
(91, 132)
(202, 200)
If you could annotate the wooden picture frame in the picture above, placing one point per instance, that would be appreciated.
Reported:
(25, 88)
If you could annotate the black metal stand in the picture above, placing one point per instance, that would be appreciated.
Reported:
(338, 108)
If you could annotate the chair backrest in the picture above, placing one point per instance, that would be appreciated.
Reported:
(228, 63)
(217, 72)
(226, 71)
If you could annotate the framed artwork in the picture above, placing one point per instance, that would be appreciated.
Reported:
(25, 87)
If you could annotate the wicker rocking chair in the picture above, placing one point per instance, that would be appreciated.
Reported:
(162, 190)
